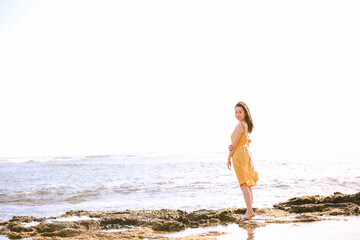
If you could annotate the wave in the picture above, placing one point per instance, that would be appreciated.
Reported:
(62, 158)
(158, 156)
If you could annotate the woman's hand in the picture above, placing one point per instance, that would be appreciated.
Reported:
(231, 147)
(229, 164)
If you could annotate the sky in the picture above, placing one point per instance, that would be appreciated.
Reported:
(126, 77)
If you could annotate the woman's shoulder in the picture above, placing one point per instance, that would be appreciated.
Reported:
(241, 126)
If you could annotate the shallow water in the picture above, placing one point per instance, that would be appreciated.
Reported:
(327, 229)
(45, 187)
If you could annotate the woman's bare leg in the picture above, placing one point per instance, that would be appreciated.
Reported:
(252, 197)
(248, 200)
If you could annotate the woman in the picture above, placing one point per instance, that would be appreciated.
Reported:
(242, 158)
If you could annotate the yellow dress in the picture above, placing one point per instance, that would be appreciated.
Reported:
(242, 160)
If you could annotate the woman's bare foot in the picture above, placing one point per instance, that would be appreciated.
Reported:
(245, 217)
(250, 216)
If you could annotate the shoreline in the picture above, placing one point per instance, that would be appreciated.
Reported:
(177, 224)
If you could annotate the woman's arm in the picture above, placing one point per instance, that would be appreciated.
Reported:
(238, 132)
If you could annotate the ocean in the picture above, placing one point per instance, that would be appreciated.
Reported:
(50, 186)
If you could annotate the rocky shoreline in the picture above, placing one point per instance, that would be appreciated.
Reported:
(140, 224)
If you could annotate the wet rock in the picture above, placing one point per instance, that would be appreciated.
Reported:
(298, 209)
(21, 235)
(338, 197)
(118, 220)
(336, 204)
(15, 235)
(194, 224)
(227, 215)
(55, 226)
(139, 233)
(163, 219)
(17, 227)
(184, 220)
(251, 224)
(272, 212)
(90, 224)
(307, 218)
(201, 214)
(214, 220)
(165, 225)
(203, 221)
(3, 230)
(26, 219)
(65, 232)
(347, 208)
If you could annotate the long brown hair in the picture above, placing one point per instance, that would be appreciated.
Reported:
(248, 117)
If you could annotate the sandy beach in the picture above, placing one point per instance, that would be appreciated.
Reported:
(306, 217)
